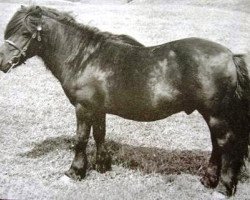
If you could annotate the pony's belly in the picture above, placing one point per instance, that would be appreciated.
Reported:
(143, 117)
(154, 106)
(144, 113)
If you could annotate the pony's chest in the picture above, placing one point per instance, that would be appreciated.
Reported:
(89, 86)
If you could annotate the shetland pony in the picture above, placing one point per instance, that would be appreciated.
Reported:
(102, 73)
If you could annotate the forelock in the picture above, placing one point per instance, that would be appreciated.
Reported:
(15, 23)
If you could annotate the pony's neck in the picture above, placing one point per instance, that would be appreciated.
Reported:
(66, 48)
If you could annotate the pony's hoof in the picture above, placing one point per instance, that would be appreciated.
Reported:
(76, 175)
(102, 167)
(209, 181)
(226, 189)
(103, 164)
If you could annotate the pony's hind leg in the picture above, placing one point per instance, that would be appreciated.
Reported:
(103, 158)
(234, 151)
(78, 167)
(211, 177)
(228, 152)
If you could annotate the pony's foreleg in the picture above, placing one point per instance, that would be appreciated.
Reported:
(78, 167)
(103, 158)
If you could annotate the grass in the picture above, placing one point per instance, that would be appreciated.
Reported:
(146, 159)
(158, 160)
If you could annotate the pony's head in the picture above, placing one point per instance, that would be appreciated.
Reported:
(22, 37)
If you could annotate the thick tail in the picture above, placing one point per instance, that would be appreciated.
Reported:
(243, 83)
(243, 86)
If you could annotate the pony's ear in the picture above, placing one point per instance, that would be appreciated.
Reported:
(36, 12)
(23, 7)
(39, 9)
(33, 19)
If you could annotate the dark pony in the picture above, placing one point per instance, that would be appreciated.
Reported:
(104, 73)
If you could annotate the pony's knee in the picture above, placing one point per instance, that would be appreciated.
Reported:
(83, 114)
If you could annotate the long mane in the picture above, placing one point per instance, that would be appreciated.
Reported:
(17, 20)
(15, 23)
(78, 40)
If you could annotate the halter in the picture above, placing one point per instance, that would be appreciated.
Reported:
(22, 51)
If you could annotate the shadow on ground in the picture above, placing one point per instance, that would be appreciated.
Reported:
(145, 159)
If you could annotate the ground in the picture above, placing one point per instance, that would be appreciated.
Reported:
(158, 160)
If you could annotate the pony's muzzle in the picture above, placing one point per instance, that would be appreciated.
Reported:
(2, 67)
(5, 70)
(5, 67)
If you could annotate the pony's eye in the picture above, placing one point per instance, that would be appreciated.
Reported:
(26, 34)
(11, 48)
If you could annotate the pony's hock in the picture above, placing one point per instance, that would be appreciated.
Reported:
(104, 73)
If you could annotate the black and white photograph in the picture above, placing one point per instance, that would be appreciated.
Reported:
(124, 99)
